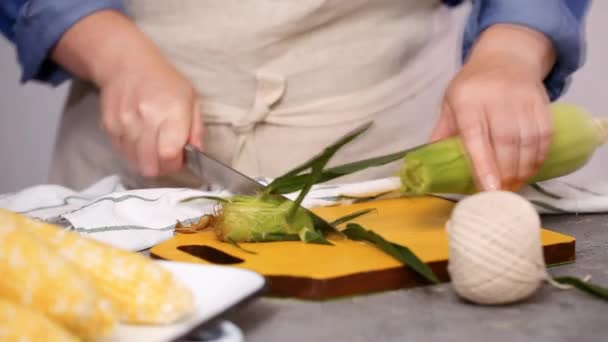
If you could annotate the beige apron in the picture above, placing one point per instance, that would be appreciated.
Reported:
(280, 80)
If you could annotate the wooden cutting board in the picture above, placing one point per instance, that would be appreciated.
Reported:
(310, 271)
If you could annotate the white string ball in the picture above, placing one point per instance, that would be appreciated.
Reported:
(495, 249)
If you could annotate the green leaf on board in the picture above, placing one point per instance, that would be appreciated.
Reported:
(311, 236)
(212, 198)
(592, 289)
(357, 232)
(235, 244)
(351, 216)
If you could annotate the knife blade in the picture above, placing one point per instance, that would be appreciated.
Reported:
(218, 174)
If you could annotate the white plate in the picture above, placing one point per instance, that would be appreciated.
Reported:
(216, 289)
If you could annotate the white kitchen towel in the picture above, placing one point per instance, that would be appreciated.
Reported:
(138, 219)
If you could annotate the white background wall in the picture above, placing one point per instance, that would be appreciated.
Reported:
(29, 114)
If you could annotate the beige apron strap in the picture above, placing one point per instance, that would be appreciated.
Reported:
(270, 88)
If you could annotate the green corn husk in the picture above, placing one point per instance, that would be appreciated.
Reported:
(260, 219)
(444, 167)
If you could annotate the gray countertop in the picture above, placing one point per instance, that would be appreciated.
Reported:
(435, 313)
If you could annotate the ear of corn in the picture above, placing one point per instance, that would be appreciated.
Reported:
(576, 137)
(443, 166)
(81, 283)
(20, 324)
(141, 291)
(259, 219)
(34, 276)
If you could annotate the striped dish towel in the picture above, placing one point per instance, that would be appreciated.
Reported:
(136, 220)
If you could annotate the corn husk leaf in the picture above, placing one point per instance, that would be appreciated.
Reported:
(277, 236)
(350, 217)
(236, 244)
(321, 225)
(317, 162)
(356, 232)
(294, 183)
(592, 289)
(212, 198)
(312, 236)
(204, 223)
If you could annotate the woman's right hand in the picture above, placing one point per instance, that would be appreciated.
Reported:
(150, 113)
(149, 110)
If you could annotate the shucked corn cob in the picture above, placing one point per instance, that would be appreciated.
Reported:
(19, 323)
(33, 275)
(141, 291)
(443, 166)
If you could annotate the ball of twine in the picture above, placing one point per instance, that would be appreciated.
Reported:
(495, 249)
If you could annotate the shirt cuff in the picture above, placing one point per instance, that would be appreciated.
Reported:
(40, 25)
(553, 18)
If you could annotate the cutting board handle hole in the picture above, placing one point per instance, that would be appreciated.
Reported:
(210, 254)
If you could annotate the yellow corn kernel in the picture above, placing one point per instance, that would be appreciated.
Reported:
(34, 275)
(21, 324)
(141, 291)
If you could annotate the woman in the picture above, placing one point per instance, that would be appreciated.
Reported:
(265, 85)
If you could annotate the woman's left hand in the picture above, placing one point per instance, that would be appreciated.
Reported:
(498, 105)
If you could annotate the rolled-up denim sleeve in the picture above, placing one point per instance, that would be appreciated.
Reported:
(38, 25)
(562, 21)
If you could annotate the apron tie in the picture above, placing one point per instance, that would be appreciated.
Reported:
(270, 88)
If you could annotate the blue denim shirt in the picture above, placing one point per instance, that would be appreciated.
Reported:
(34, 27)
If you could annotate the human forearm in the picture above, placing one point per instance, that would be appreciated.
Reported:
(516, 45)
(562, 21)
(101, 45)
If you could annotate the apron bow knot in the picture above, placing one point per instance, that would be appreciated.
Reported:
(269, 90)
